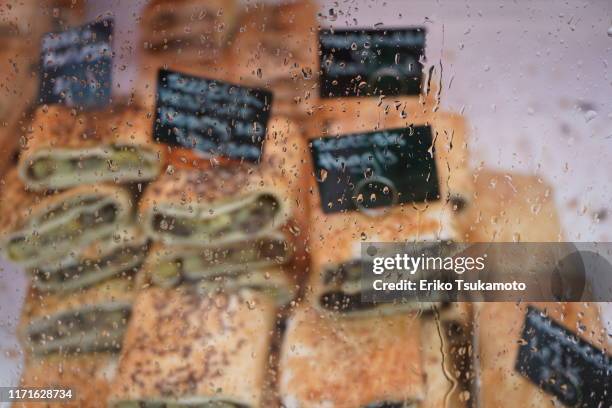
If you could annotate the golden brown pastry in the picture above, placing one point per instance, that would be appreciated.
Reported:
(337, 234)
(188, 27)
(235, 202)
(119, 254)
(92, 319)
(184, 349)
(87, 376)
(276, 48)
(370, 362)
(40, 227)
(188, 36)
(517, 208)
(66, 149)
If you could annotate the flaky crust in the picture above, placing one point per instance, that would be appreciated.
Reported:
(284, 162)
(58, 127)
(350, 363)
(510, 207)
(180, 345)
(165, 21)
(88, 377)
(277, 48)
(60, 131)
(20, 207)
(42, 306)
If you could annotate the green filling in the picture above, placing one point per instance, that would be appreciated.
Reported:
(248, 219)
(75, 323)
(116, 260)
(119, 159)
(23, 248)
(169, 273)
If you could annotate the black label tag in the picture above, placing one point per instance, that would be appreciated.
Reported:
(371, 62)
(562, 364)
(376, 169)
(214, 117)
(76, 66)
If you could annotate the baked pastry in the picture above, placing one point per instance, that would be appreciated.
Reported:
(393, 167)
(369, 362)
(276, 48)
(189, 36)
(66, 149)
(184, 349)
(520, 208)
(256, 264)
(235, 202)
(188, 27)
(39, 227)
(120, 254)
(93, 319)
(87, 377)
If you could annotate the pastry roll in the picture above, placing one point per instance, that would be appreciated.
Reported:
(511, 208)
(89, 320)
(183, 350)
(517, 208)
(119, 254)
(216, 206)
(370, 362)
(37, 228)
(169, 265)
(234, 202)
(188, 28)
(277, 49)
(65, 150)
(87, 376)
(338, 228)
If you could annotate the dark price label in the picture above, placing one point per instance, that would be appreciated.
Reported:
(214, 117)
(562, 364)
(377, 169)
(76, 66)
(371, 62)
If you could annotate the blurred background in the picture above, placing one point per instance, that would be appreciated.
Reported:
(533, 79)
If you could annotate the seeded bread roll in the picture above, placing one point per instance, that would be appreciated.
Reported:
(90, 320)
(66, 149)
(87, 376)
(182, 348)
(40, 227)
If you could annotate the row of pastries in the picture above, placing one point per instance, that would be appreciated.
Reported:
(159, 278)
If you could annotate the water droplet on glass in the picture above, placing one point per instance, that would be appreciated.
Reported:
(590, 115)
